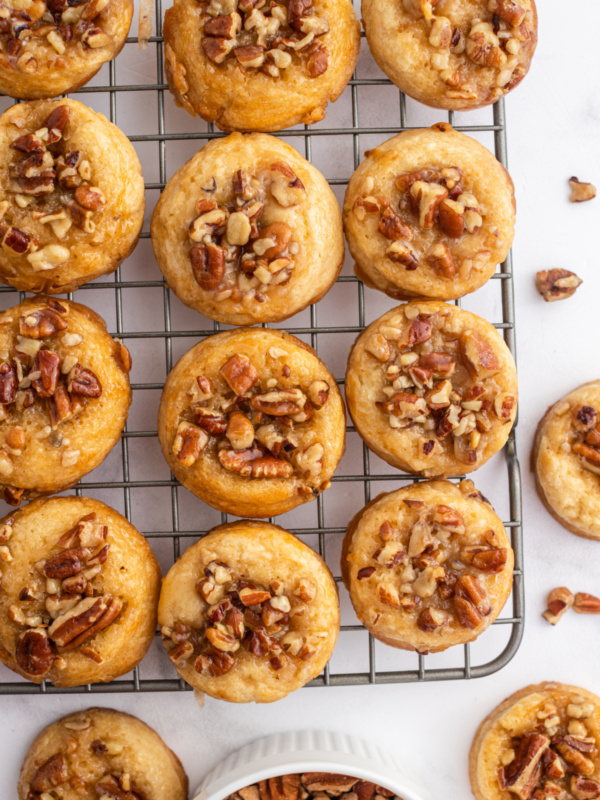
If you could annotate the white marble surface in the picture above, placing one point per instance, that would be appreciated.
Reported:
(554, 132)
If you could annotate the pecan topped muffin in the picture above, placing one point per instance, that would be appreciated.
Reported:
(252, 422)
(541, 742)
(65, 218)
(429, 213)
(64, 396)
(104, 754)
(432, 389)
(51, 47)
(566, 460)
(427, 566)
(79, 592)
(454, 54)
(248, 231)
(249, 613)
(263, 65)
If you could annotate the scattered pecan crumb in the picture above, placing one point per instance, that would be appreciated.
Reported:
(556, 284)
(560, 600)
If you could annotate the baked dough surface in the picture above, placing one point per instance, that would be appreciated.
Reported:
(453, 54)
(284, 641)
(429, 213)
(238, 96)
(59, 424)
(128, 581)
(72, 197)
(566, 460)
(557, 726)
(432, 389)
(97, 750)
(279, 191)
(427, 566)
(66, 49)
(265, 446)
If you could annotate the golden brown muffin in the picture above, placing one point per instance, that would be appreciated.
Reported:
(248, 231)
(432, 389)
(566, 460)
(73, 194)
(64, 396)
(51, 48)
(257, 66)
(429, 213)
(454, 54)
(101, 753)
(252, 422)
(542, 742)
(427, 566)
(79, 592)
(249, 613)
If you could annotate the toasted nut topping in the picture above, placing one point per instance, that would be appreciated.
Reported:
(580, 192)
(556, 284)
(240, 431)
(189, 442)
(239, 373)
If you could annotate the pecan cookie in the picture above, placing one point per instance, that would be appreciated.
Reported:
(429, 213)
(252, 422)
(65, 218)
(541, 742)
(101, 753)
(64, 396)
(427, 566)
(453, 54)
(51, 47)
(259, 66)
(249, 613)
(566, 460)
(79, 592)
(248, 231)
(432, 389)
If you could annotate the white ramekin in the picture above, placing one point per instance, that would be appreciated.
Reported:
(308, 751)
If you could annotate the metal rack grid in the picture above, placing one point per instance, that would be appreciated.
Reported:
(117, 282)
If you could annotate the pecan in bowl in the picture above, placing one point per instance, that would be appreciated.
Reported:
(540, 742)
(313, 786)
(78, 592)
(252, 422)
(249, 613)
(428, 566)
(432, 389)
(58, 420)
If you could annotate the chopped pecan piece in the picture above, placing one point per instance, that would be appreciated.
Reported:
(419, 332)
(66, 564)
(215, 663)
(90, 197)
(60, 406)
(252, 55)
(318, 61)
(490, 560)
(590, 456)
(327, 782)
(430, 619)
(208, 265)
(51, 774)
(318, 393)
(33, 652)
(575, 752)
(580, 191)
(523, 773)
(556, 284)
(240, 431)
(239, 373)
(280, 402)
(482, 47)
(510, 12)
(406, 406)
(225, 25)
(404, 182)
(585, 418)
(84, 382)
(41, 323)
(57, 120)
(439, 363)
(560, 600)
(480, 358)
(48, 364)
(17, 240)
(584, 788)
(189, 442)
(392, 227)
(272, 241)
(211, 421)
(426, 199)
(451, 218)
(441, 260)
(400, 253)
(586, 603)
(470, 602)
(8, 383)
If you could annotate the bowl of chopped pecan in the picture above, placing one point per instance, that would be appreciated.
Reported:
(310, 765)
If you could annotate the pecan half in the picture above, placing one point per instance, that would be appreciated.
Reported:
(419, 332)
(575, 752)
(480, 359)
(239, 373)
(189, 443)
(82, 623)
(84, 382)
(470, 602)
(451, 218)
(586, 603)
(425, 201)
(33, 652)
(17, 240)
(51, 774)
(580, 191)
(210, 420)
(560, 600)
(556, 284)
(240, 431)
(327, 782)
(57, 120)
(66, 564)
(254, 463)
(584, 788)
(392, 227)
(523, 773)
(280, 402)
(208, 265)
(48, 364)
(90, 197)
(8, 383)
(490, 560)
(41, 323)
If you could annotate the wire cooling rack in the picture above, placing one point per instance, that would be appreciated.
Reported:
(141, 310)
